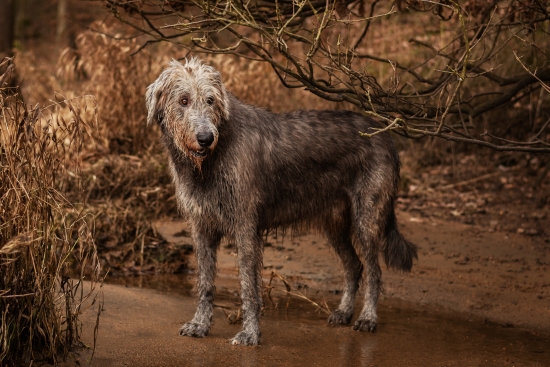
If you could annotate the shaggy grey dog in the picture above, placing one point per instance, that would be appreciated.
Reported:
(241, 171)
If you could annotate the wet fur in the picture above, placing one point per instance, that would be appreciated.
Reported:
(268, 171)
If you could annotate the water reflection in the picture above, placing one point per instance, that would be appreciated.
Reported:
(174, 284)
(356, 352)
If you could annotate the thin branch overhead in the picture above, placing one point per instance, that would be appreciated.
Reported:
(445, 83)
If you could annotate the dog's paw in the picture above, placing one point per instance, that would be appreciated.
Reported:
(365, 325)
(194, 329)
(340, 317)
(246, 338)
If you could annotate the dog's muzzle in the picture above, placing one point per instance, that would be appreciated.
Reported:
(205, 139)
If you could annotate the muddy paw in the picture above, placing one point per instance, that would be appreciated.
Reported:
(194, 329)
(246, 338)
(340, 317)
(365, 325)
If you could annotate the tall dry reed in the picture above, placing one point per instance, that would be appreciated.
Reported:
(46, 243)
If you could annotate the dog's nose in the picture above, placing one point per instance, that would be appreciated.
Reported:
(205, 139)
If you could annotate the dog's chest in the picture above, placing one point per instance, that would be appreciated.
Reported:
(213, 200)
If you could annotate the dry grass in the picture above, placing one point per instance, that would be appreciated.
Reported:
(105, 68)
(321, 306)
(128, 183)
(44, 237)
(234, 314)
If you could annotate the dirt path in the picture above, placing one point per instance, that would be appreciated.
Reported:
(497, 277)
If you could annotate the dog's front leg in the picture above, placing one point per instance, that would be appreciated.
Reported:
(206, 246)
(250, 255)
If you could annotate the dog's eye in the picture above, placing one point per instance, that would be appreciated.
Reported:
(184, 101)
(210, 101)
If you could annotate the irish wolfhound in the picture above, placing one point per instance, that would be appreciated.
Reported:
(241, 171)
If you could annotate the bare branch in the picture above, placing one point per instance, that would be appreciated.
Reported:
(324, 46)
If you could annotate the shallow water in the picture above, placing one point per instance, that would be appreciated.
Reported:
(295, 333)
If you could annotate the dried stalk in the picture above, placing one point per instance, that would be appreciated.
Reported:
(46, 243)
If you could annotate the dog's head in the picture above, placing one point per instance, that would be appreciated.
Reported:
(189, 102)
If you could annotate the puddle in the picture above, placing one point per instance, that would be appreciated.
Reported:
(296, 334)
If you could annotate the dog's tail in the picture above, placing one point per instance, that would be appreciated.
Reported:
(398, 252)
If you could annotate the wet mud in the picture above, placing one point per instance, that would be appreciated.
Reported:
(474, 298)
(141, 319)
(466, 269)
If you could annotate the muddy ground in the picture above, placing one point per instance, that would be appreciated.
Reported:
(495, 276)
(138, 327)
(476, 296)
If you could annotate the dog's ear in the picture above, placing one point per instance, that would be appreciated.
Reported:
(223, 98)
(155, 101)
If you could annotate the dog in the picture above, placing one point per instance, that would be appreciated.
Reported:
(241, 171)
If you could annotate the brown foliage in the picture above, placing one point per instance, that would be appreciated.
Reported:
(128, 183)
(45, 237)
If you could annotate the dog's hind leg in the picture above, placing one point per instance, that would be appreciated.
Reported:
(206, 246)
(250, 257)
(339, 236)
(372, 202)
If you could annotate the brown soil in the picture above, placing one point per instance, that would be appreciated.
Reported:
(494, 276)
(138, 327)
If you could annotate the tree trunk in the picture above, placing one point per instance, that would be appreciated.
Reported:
(7, 22)
(61, 19)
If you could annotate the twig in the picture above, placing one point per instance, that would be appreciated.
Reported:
(545, 86)
(473, 180)
(288, 291)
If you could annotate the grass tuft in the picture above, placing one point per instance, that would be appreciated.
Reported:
(46, 243)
